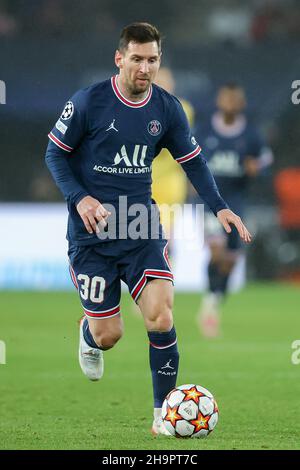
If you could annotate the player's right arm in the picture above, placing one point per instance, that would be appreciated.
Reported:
(64, 138)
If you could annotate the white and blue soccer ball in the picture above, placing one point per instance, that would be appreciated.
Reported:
(190, 411)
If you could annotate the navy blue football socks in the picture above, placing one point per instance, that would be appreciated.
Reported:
(164, 361)
(217, 280)
(88, 335)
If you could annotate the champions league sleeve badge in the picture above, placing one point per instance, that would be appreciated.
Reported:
(68, 111)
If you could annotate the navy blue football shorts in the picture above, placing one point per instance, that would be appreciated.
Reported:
(97, 271)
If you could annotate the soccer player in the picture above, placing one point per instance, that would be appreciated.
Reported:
(101, 150)
(235, 153)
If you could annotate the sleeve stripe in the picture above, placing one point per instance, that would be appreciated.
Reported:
(59, 143)
(189, 156)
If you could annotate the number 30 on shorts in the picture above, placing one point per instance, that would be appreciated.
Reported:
(89, 287)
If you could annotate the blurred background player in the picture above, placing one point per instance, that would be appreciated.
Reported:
(236, 153)
(169, 184)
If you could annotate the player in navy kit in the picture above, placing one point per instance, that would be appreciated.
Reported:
(100, 151)
(235, 152)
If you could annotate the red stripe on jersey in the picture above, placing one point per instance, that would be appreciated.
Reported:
(140, 286)
(189, 156)
(107, 313)
(158, 273)
(73, 276)
(166, 256)
(59, 143)
(150, 273)
(122, 98)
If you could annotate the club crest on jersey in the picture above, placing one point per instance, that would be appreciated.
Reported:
(68, 111)
(154, 127)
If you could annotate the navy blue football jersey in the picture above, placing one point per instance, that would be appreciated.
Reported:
(110, 142)
(226, 148)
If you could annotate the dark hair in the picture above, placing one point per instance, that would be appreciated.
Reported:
(231, 86)
(140, 33)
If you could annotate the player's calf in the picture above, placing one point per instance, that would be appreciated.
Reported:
(156, 304)
(107, 341)
(95, 337)
(107, 332)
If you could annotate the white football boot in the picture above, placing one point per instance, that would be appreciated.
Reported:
(209, 315)
(158, 426)
(90, 359)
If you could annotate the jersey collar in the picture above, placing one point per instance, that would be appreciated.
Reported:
(131, 104)
(233, 130)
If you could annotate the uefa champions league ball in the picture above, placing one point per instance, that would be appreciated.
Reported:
(190, 411)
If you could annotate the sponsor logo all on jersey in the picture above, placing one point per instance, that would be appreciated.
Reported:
(125, 163)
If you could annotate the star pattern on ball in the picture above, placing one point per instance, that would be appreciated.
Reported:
(216, 408)
(172, 415)
(201, 422)
(192, 394)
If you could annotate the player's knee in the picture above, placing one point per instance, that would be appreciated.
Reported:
(164, 322)
(161, 318)
(217, 254)
(229, 262)
(107, 339)
(227, 266)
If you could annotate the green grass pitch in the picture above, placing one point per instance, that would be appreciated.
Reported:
(46, 402)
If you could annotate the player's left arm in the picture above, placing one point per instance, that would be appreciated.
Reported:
(203, 181)
(187, 152)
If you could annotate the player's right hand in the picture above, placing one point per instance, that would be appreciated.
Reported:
(227, 217)
(92, 213)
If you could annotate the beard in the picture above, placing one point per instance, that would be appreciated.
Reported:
(137, 88)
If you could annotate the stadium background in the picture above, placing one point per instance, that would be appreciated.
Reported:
(49, 49)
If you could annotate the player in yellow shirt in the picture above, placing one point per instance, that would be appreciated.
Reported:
(169, 181)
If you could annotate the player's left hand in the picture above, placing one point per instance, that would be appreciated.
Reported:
(227, 217)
